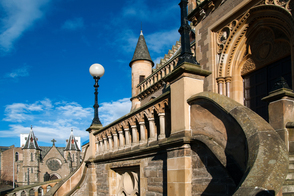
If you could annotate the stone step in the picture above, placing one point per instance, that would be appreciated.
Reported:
(288, 189)
(290, 176)
(288, 194)
(289, 182)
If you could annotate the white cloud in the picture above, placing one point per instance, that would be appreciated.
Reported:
(20, 72)
(19, 16)
(158, 41)
(73, 24)
(56, 119)
(110, 111)
(140, 11)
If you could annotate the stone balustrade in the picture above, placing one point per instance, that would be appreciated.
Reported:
(138, 128)
(153, 82)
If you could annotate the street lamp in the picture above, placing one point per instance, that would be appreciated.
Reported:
(97, 71)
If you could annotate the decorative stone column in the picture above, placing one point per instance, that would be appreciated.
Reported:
(142, 133)
(101, 146)
(153, 136)
(281, 110)
(110, 143)
(105, 142)
(97, 148)
(127, 137)
(220, 83)
(162, 126)
(121, 140)
(228, 84)
(116, 145)
(134, 135)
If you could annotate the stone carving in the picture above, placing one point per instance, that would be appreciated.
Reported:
(128, 184)
(53, 164)
(282, 3)
(262, 44)
(248, 67)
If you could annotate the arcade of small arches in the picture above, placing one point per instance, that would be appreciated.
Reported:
(140, 128)
(38, 190)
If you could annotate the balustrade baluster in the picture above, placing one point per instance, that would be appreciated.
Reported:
(110, 142)
(105, 142)
(101, 150)
(134, 135)
(121, 140)
(116, 146)
(152, 130)
(162, 125)
(142, 133)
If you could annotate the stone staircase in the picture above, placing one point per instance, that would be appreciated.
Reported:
(288, 187)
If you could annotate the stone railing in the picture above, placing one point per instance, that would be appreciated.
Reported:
(153, 82)
(141, 127)
(39, 188)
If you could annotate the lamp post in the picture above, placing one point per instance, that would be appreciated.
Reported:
(97, 71)
(184, 30)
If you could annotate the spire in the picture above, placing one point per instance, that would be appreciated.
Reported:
(141, 51)
(31, 142)
(71, 143)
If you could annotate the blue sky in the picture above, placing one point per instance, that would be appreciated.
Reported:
(46, 49)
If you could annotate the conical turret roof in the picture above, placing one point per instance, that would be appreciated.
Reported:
(141, 51)
(31, 142)
(72, 144)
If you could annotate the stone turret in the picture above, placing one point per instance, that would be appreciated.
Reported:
(31, 159)
(72, 152)
(141, 65)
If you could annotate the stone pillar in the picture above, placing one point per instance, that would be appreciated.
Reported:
(121, 140)
(220, 84)
(179, 171)
(97, 147)
(116, 145)
(92, 129)
(281, 111)
(228, 83)
(127, 137)
(134, 135)
(185, 81)
(110, 142)
(162, 125)
(105, 142)
(142, 133)
(153, 135)
(101, 146)
(92, 180)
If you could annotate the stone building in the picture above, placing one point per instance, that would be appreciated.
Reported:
(31, 162)
(214, 117)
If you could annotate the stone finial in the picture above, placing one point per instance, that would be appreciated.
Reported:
(280, 83)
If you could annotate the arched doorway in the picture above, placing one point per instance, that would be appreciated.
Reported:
(257, 48)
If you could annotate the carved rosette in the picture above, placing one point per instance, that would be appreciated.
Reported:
(53, 164)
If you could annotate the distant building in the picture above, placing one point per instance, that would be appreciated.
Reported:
(31, 162)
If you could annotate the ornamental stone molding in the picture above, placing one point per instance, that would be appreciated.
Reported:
(262, 43)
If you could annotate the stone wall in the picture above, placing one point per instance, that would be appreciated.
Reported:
(7, 163)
